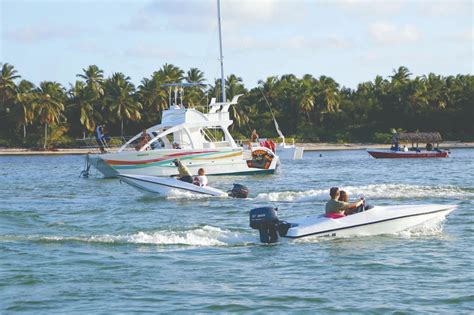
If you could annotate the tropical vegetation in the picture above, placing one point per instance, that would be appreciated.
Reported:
(309, 108)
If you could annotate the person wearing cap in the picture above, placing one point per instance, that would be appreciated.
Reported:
(184, 173)
(339, 207)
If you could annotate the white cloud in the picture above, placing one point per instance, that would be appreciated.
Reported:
(152, 51)
(89, 47)
(387, 33)
(198, 15)
(290, 43)
(370, 8)
(141, 21)
(446, 8)
(42, 32)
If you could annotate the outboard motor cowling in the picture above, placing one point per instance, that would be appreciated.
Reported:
(265, 220)
(239, 191)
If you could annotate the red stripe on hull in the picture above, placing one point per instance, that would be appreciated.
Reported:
(166, 157)
(404, 155)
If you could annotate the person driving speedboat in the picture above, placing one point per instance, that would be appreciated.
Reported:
(335, 206)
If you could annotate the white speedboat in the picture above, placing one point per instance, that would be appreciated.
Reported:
(169, 186)
(378, 220)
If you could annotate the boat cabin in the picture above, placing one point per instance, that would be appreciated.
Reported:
(187, 128)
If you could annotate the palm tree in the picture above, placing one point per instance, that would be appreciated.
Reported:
(87, 96)
(24, 104)
(94, 78)
(171, 73)
(7, 85)
(328, 94)
(84, 106)
(306, 91)
(437, 91)
(269, 87)
(401, 76)
(120, 100)
(152, 95)
(234, 86)
(195, 94)
(195, 75)
(48, 102)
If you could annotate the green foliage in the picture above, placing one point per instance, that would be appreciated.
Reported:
(380, 137)
(311, 109)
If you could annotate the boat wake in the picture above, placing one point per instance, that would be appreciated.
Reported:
(383, 191)
(201, 236)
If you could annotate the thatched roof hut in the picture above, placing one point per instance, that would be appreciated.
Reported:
(415, 137)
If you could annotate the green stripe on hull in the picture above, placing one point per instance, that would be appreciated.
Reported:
(168, 161)
(263, 172)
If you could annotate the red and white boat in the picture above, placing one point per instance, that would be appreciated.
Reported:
(390, 154)
(432, 140)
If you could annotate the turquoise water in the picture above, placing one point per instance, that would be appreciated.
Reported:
(73, 245)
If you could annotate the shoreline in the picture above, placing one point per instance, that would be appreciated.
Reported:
(309, 147)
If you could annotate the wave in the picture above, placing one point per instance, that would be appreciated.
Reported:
(201, 236)
(382, 191)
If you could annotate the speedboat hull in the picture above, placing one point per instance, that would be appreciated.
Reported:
(389, 154)
(376, 221)
(160, 162)
(166, 187)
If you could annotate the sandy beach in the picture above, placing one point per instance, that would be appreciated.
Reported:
(307, 147)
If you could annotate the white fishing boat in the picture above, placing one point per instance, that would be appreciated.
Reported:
(169, 186)
(198, 139)
(375, 221)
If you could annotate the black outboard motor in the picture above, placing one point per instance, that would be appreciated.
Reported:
(265, 220)
(239, 191)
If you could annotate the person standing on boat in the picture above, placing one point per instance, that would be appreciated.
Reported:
(334, 206)
(99, 136)
(184, 173)
(254, 136)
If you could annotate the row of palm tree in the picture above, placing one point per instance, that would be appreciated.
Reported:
(310, 108)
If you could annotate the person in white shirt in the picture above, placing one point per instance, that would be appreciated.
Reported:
(201, 179)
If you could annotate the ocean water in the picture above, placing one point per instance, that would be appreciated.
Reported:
(71, 245)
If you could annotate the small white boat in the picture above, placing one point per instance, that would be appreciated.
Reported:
(289, 151)
(170, 186)
(378, 220)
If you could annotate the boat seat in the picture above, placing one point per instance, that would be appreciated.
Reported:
(334, 215)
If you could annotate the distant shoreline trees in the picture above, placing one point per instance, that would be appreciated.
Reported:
(309, 108)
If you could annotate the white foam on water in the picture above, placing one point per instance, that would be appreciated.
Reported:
(202, 236)
(429, 228)
(382, 191)
(178, 194)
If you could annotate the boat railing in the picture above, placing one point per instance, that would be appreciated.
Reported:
(111, 144)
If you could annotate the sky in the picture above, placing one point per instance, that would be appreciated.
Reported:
(349, 40)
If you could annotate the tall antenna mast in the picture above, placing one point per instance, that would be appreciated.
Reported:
(220, 46)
